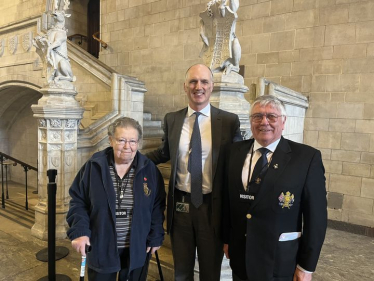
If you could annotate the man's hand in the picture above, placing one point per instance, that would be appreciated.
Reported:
(302, 276)
(153, 249)
(226, 250)
(79, 244)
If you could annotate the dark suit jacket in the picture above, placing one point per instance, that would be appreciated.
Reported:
(254, 247)
(225, 130)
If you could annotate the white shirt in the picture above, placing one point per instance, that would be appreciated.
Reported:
(256, 156)
(183, 180)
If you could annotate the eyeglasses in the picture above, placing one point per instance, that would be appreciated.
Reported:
(123, 142)
(271, 117)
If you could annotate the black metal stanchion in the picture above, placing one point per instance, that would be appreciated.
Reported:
(52, 276)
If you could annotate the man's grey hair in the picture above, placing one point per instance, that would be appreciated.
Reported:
(269, 100)
(211, 73)
(125, 122)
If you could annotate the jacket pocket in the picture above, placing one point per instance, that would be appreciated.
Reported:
(286, 258)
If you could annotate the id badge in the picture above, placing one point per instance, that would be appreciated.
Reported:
(246, 197)
(182, 207)
(121, 213)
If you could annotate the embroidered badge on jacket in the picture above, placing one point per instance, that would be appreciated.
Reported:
(286, 200)
(146, 189)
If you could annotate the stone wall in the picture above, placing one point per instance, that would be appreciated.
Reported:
(16, 10)
(77, 23)
(23, 137)
(321, 48)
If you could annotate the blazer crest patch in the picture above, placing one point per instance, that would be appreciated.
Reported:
(286, 200)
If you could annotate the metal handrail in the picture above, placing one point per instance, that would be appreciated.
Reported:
(81, 36)
(23, 164)
(26, 168)
(103, 44)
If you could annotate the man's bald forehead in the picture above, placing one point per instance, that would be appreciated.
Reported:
(200, 64)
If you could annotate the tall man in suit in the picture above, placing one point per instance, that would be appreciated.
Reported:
(275, 215)
(196, 150)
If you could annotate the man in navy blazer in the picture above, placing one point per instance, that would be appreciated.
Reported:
(275, 216)
(191, 227)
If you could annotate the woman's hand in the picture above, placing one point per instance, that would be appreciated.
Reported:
(153, 249)
(79, 244)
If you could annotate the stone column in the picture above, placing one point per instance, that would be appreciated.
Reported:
(228, 94)
(59, 115)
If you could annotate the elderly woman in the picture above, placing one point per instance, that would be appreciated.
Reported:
(117, 206)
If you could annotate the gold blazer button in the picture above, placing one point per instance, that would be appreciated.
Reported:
(249, 216)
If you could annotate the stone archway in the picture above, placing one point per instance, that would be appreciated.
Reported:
(18, 128)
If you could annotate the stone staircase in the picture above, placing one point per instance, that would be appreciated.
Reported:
(15, 206)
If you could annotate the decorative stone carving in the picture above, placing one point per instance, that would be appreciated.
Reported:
(70, 123)
(69, 136)
(221, 50)
(55, 147)
(43, 136)
(42, 123)
(55, 161)
(52, 48)
(69, 146)
(68, 160)
(2, 47)
(27, 41)
(55, 136)
(55, 123)
(12, 44)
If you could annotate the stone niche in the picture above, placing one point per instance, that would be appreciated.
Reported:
(296, 105)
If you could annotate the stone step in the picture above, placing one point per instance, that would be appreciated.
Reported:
(147, 124)
(17, 213)
(151, 143)
(98, 115)
(147, 116)
(153, 132)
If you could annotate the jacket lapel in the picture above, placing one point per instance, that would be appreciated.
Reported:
(216, 124)
(279, 161)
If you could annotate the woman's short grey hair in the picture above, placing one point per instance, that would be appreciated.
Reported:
(269, 100)
(125, 122)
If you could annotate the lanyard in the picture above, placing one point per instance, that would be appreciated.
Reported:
(120, 188)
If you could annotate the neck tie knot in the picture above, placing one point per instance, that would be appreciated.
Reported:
(197, 113)
(263, 151)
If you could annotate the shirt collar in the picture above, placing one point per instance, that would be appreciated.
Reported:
(205, 111)
(271, 146)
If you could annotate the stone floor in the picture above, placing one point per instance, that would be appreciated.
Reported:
(345, 256)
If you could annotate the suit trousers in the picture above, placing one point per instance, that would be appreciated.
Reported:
(138, 274)
(191, 231)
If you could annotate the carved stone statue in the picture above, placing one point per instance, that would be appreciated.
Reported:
(52, 48)
(221, 49)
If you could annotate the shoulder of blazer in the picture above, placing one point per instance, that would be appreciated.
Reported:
(298, 147)
(237, 146)
(175, 114)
